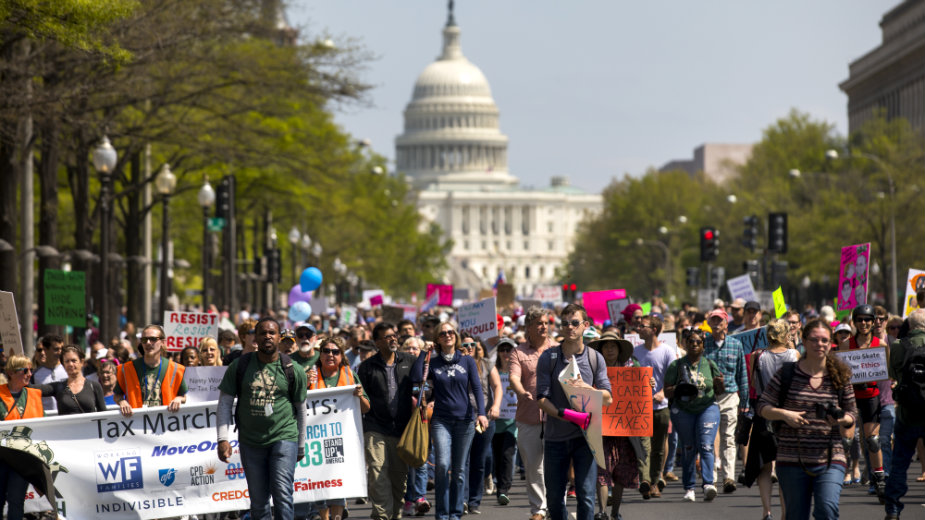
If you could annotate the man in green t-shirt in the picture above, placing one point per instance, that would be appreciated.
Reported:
(306, 355)
(270, 421)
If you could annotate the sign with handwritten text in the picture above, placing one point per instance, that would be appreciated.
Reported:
(867, 364)
(630, 414)
(187, 329)
(478, 319)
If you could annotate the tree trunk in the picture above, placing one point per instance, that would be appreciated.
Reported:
(48, 211)
(8, 212)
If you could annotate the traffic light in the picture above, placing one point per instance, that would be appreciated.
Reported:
(709, 244)
(717, 277)
(569, 292)
(274, 265)
(778, 274)
(754, 272)
(777, 232)
(223, 199)
(693, 277)
(750, 235)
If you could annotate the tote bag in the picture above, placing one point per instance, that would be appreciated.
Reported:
(415, 440)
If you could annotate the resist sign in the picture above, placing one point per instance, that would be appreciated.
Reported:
(630, 414)
(187, 329)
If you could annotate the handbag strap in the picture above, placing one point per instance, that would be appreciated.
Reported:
(421, 395)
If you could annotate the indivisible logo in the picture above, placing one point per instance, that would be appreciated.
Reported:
(118, 470)
(202, 475)
(234, 471)
(166, 476)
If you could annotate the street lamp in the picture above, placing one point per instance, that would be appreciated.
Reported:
(206, 198)
(165, 182)
(104, 160)
(294, 238)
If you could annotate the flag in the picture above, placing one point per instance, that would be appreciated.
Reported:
(431, 302)
(500, 280)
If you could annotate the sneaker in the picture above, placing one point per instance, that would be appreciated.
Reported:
(601, 516)
(880, 485)
(408, 507)
(571, 492)
(489, 486)
(709, 492)
(465, 509)
(729, 486)
(503, 500)
(655, 493)
(361, 501)
(421, 507)
(689, 496)
(474, 511)
(661, 484)
(741, 478)
(671, 477)
(644, 489)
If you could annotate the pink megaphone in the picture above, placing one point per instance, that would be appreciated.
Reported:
(582, 419)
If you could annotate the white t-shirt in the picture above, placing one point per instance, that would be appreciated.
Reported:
(45, 376)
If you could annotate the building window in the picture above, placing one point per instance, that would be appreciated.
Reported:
(551, 245)
(549, 226)
(542, 272)
(526, 245)
(527, 272)
(466, 245)
(465, 220)
(525, 220)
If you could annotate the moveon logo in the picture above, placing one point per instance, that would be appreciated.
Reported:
(204, 446)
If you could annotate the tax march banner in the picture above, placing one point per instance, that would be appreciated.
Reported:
(158, 464)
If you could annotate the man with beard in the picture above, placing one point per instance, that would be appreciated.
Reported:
(306, 356)
(150, 380)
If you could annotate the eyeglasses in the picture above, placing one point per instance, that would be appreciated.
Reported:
(879, 318)
(39, 351)
(817, 339)
(863, 320)
(150, 339)
(390, 336)
(469, 344)
(793, 322)
(331, 351)
(25, 370)
(447, 333)
(572, 323)
(252, 331)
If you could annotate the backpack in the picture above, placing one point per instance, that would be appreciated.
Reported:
(910, 392)
(243, 361)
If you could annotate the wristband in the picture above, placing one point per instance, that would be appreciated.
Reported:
(561, 413)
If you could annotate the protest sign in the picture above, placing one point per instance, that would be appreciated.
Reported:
(584, 399)
(157, 464)
(202, 383)
(445, 293)
(478, 319)
(595, 303)
(706, 297)
(915, 281)
(65, 298)
(319, 305)
(867, 364)
(526, 304)
(10, 337)
(633, 338)
(461, 294)
(376, 300)
(630, 414)
(615, 307)
(392, 314)
(547, 293)
(505, 295)
(741, 287)
(752, 340)
(348, 314)
(508, 398)
(187, 329)
(780, 307)
(852, 276)
(668, 338)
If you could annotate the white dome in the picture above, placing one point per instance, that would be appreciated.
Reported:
(455, 77)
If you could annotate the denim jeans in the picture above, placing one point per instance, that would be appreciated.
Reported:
(905, 439)
(800, 489)
(269, 472)
(696, 433)
(417, 483)
(558, 456)
(452, 440)
(672, 451)
(478, 458)
(12, 491)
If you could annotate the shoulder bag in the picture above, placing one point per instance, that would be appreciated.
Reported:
(415, 440)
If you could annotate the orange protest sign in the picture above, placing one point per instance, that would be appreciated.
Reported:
(630, 414)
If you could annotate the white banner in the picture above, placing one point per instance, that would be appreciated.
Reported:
(508, 399)
(479, 319)
(741, 287)
(157, 464)
(187, 329)
(867, 364)
(547, 293)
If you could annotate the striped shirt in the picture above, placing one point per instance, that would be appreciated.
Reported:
(809, 443)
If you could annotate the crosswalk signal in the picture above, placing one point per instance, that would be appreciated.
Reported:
(750, 234)
(569, 292)
(709, 244)
(717, 276)
(693, 277)
(777, 232)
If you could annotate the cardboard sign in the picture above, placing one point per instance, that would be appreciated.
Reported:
(741, 287)
(508, 398)
(867, 364)
(615, 308)
(753, 340)
(595, 302)
(505, 295)
(852, 276)
(915, 281)
(547, 293)
(630, 414)
(10, 337)
(584, 399)
(187, 329)
(348, 314)
(445, 293)
(479, 319)
(65, 298)
(392, 314)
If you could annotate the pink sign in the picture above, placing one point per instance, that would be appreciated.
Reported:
(376, 300)
(595, 303)
(852, 276)
(445, 291)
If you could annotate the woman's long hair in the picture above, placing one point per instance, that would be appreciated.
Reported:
(837, 370)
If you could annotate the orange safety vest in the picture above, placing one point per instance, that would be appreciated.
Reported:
(345, 378)
(33, 404)
(131, 387)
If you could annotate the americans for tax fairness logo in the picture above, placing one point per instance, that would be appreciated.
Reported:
(118, 470)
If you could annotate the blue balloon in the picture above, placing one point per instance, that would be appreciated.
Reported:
(300, 311)
(310, 279)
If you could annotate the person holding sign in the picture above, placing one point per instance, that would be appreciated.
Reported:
(151, 380)
(564, 443)
(17, 401)
(504, 441)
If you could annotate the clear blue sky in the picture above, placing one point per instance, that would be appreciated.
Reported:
(594, 90)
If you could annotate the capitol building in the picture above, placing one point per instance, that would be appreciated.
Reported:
(454, 154)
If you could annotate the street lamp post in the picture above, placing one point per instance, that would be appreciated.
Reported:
(165, 182)
(316, 252)
(206, 198)
(104, 160)
(294, 238)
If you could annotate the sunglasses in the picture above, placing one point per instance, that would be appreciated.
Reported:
(305, 334)
(572, 323)
(23, 370)
(331, 351)
(863, 320)
(150, 339)
(469, 344)
(447, 333)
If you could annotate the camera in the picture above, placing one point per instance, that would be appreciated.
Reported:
(830, 410)
(686, 390)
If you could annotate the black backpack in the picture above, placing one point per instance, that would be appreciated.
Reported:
(243, 361)
(910, 392)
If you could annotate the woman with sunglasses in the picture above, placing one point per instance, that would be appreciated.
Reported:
(816, 408)
(453, 377)
(480, 453)
(17, 401)
(694, 412)
(77, 394)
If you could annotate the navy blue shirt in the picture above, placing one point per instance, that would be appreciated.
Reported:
(452, 381)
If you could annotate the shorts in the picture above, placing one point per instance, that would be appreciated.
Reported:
(869, 409)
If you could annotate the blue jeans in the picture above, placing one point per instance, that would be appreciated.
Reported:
(905, 439)
(478, 458)
(696, 433)
(558, 455)
(672, 451)
(417, 483)
(800, 489)
(452, 440)
(12, 491)
(269, 471)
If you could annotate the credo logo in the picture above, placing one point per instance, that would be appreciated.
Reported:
(237, 494)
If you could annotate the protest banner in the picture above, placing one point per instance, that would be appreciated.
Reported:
(547, 293)
(595, 303)
(445, 293)
(348, 315)
(158, 464)
(741, 287)
(668, 338)
(615, 307)
(187, 329)
(867, 364)
(852, 276)
(10, 337)
(915, 281)
(752, 340)
(633, 338)
(202, 383)
(392, 314)
(480, 319)
(463, 294)
(505, 295)
(630, 414)
(526, 304)
(376, 300)
(584, 399)
(65, 298)
(508, 398)
(706, 297)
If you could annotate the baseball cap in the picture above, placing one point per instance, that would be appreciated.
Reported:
(843, 327)
(287, 334)
(752, 305)
(718, 312)
(506, 344)
(738, 303)
(305, 326)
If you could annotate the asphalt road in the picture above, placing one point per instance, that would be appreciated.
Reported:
(744, 504)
